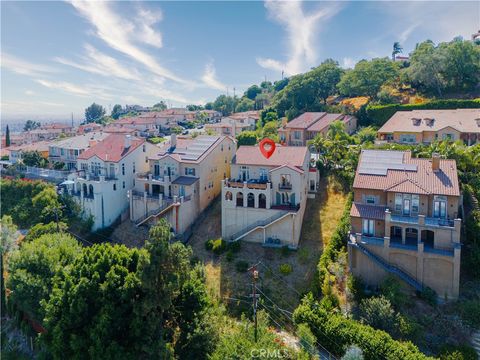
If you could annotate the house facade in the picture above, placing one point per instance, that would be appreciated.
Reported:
(183, 177)
(310, 124)
(16, 152)
(426, 126)
(405, 221)
(106, 172)
(67, 150)
(264, 200)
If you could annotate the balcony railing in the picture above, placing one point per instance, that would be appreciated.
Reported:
(251, 184)
(287, 207)
(146, 176)
(429, 221)
(285, 186)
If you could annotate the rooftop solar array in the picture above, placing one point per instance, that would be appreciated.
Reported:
(378, 162)
(197, 148)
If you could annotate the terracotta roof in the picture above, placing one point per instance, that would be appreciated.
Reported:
(283, 155)
(254, 114)
(119, 130)
(290, 167)
(135, 121)
(418, 178)
(325, 121)
(368, 211)
(305, 120)
(463, 120)
(112, 148)
(41, 146)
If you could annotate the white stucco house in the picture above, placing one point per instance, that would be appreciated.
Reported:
(264, 199)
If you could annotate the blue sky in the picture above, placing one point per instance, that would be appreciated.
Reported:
(59, 57)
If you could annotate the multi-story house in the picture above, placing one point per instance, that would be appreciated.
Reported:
(264, 199)
(426, 126)
(106, 171)
(405, 221)
(183, 177)
(310, 124)
(16, 152)
(67, 150)
(228, 127)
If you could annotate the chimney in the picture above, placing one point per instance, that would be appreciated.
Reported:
(173, 142)
(128, 141)
(435, 161)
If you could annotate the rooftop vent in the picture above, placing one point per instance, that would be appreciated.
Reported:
(416, 121)
(429, 121)
(478, 122)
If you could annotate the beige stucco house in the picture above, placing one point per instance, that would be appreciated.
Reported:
(426, 126)
(264, 199)
(405, 221)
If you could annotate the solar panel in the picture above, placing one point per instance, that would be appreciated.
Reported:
(378, 162)
(197, 149)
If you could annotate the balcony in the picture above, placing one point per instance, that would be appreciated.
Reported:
(285, 186)
(423, 221)
(148, 176)
(287, 207)
(250, 184)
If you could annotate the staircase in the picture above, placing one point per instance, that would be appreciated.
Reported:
(476, 342)
(155, 213)
(387, 267)
(258, 224)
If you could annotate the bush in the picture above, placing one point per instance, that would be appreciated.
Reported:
(462, 352)
(209, 245)
(392, 290)
(286, 269)
(429, 295)
(353, 353)
(234, 246)
(241, 266)
(230, 256)
(356, 287)
(156, 140)
(378, 313)
(470, 312)
(219, 246)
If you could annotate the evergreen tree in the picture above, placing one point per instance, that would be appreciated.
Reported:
(7, 137)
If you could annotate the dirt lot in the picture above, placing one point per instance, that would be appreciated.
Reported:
(225, 282)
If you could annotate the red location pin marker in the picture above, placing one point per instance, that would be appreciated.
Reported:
(267, 147)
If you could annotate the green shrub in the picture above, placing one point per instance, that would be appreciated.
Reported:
(230, 255)
(429, 295)
(234, 246)
(461, 352)
(356, 287)
(303, 255)
(286, 269)
(378, 313)
(392, 290)
(241, 266)
(470, 312)
(156, 140)
(209, 245)
(219, 246)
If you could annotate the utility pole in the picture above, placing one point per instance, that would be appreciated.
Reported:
(254, 297)
(234, 92)
(72, 119)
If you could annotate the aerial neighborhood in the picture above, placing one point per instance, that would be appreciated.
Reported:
(317, 209)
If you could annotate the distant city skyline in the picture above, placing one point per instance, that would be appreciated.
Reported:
(59, 57)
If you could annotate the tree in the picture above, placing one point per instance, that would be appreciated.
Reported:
(47, 205)
(378, 313)
(41, 229)
(367, 77)
(116, 111)
(31, 125)
(194, 107)
(252, 92)
(8, 238)
(245, 104)
(7, 137)
(247, 138)
(270, 131)
(34, 158)
(324, 79)
(94, 113)
(33, 267)
(366, 135)
(426, 68)
(280, 84)
(225, 104)
(397, 49)
(160, 106)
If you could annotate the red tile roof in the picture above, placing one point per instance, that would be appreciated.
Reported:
(324, 122)
(305, 120)
(368, 211)
(283, 155)
(112, 148)
(422, 180)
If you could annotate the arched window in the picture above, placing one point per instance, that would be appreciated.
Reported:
(85, 193)
(262, 201)
(114, 187)
(239, 198)
(228, 196)
(250, 200)
(90, 190)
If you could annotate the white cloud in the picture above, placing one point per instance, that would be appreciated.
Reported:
(29, 92)
(124, 36)
(348, 63)
(148, 35)
(70, 88)
(301, 29)
(210, 79)
(99, 63)
(405, 34)
(23, 67)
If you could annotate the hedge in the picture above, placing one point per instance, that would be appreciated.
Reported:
(336, 333)
(378, 115)
(337, 242)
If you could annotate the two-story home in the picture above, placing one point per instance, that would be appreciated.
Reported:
(405, 221)
(310, 124)
(67, 150)
(264, 199)
(16, 152)
(184, 176)
(106, 171)
(426, 126)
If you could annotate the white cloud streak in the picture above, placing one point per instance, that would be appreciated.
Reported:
(74, 89)
(301, 29)
(210, 79)
(23, 67)
(97, 62)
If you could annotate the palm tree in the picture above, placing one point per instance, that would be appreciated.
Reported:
(397, 49)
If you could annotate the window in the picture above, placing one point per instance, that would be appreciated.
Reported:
(146, 159)
(123, 184)
(407, 138)
(447, 137)
(415, 203)
(84, 166)
(368, 227)
(263, 174)
(221, 147)
(134, 167)
(398, 202)
(440, 206)
(123, 169)
(297, 135)
(144, 147)
(114, 187)
(190, 171)
(370, 199)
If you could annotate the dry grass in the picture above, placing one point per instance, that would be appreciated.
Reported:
(356, 102)
(225, 282)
